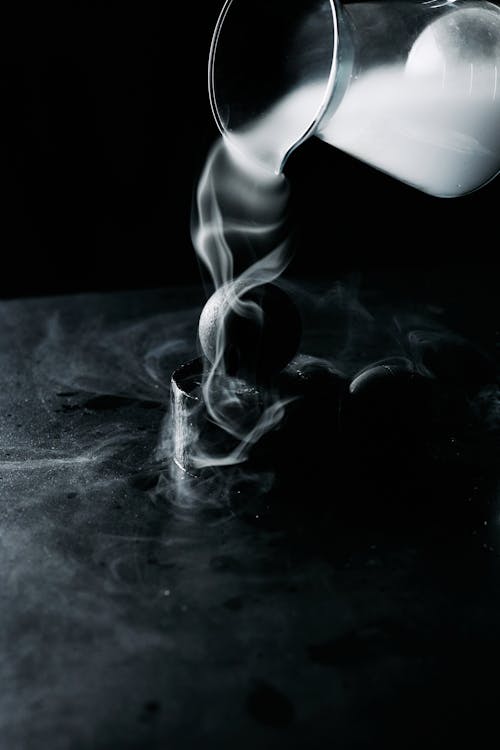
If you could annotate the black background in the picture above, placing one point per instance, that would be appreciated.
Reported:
(105, 127)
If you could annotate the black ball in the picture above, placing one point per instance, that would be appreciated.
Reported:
(388, 414)
(309, 430)
(387, 422)
(389, 398)
(256, 344)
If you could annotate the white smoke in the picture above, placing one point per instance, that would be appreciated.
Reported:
(239, 219)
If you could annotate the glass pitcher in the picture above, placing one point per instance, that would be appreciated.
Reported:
(410, 87)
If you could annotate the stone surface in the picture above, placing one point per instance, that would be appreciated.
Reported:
(132, 618)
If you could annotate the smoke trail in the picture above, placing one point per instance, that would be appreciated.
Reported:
(239, 213)
(239, 234)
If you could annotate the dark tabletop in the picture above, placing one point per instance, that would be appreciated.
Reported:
(133, 619)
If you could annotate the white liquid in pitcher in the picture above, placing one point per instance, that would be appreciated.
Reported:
(433, 123)
(442, 139)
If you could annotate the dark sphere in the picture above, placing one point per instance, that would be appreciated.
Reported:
(387, 424)
(389, 413)
(310, 427)
(389, 397)
(305, 448)
(256, 346)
